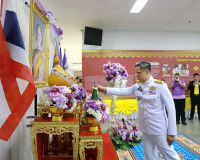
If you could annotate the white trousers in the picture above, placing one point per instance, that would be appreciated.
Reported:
(153, 142)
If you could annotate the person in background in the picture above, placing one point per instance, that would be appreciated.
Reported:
(78, 81)
(194, 87)
(178, 94)
(153, 97)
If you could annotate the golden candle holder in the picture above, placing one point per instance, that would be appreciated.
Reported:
(93, 124)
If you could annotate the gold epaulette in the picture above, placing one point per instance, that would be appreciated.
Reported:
(159, 82)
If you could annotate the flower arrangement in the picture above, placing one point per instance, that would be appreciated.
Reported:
(124, 134)
(98, 109)
(78, 92)
(113, 70)
(58, 96)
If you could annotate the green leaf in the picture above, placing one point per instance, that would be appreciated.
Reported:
(112, 137)
(116, 146)
(117, 139)
(132, 143)
(124, 146)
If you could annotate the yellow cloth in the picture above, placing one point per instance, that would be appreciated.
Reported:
(188, 105)
(196, 89)
(37, 66)
(126, 106)
(129, 106)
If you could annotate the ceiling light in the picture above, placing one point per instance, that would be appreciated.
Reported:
(137, 7)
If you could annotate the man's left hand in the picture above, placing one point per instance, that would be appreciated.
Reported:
(170, 139)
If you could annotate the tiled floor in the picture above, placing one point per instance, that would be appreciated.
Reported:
(192, 129)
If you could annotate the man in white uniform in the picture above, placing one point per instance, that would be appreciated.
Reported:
(153, 97)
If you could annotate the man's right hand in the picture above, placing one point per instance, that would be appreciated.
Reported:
(101, 88)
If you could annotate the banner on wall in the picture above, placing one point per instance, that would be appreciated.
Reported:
(164, 64)
(17, 89)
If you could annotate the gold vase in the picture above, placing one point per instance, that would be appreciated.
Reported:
(57, 113)
(93, 124)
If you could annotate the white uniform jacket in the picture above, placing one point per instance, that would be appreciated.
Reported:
(153, 98)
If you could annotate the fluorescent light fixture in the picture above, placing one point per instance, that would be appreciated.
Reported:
(137, 7)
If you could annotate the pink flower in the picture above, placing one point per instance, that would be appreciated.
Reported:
(135, 128)
(70, 104)
(69, 96)
(73, 89)
(115, 133)
(103, 107)
(127, 139)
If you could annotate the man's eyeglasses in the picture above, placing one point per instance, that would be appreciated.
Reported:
(137, 73)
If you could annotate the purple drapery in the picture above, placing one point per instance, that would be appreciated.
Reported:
(58, 30)
(40, 6)
(64, 60)
(60, 57)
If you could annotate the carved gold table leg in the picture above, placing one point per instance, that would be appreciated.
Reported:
(100, 150)
(75, 142)
(34, 144)
(91, 143)
(81, 150)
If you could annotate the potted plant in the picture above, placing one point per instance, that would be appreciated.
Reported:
(124, 134)
(114, 70)
(59, 99)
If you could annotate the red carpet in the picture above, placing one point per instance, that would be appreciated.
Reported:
(108, 148)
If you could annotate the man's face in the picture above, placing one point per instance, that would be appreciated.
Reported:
(142, 75)
(196, 78)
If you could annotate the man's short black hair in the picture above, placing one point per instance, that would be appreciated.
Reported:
(177, 74)
(196, 74)
(144, 65)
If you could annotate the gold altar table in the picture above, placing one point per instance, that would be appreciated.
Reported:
(90, 140)
(49, 127)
